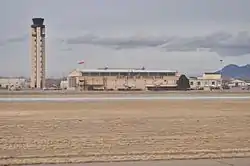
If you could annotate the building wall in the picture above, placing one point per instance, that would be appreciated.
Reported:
(77, 81)
(64, 84)
(207, 80)
(201, 83)
(5, 83)
(211, 76)
(237, 83)
(37, 54)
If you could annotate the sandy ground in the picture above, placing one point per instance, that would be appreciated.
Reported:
(123, 130)
(37, 93)
(119, 94)
(202, 162)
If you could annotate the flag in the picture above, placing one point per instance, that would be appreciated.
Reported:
(81, 62)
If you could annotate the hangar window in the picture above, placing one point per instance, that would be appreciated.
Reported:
(104, 74)
(144, 74)
(114, 74)
(85, 74)
(94, 74)
(123, 73)
(191, 83)
(134, 74)
(171, 74)
(154, 74)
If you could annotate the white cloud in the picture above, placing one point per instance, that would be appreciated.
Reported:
(223, 43)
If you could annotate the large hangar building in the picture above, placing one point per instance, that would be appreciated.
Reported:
(122, 79)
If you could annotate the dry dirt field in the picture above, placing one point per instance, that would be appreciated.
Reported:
(63, 94)
(123, 130)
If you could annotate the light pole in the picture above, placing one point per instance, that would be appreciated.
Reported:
(221, 80)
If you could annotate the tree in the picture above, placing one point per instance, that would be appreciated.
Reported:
(183, 83)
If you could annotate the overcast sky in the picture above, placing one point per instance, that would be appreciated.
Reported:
(190, 36)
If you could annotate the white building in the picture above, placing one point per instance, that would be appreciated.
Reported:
(64, 84)
(237, 83)
(8, 83)
(207, 81)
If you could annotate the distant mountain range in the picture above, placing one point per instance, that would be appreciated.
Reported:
(235, 71)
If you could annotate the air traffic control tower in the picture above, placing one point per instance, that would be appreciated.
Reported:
(37, 54)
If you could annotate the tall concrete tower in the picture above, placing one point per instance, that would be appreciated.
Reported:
(37, 53)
